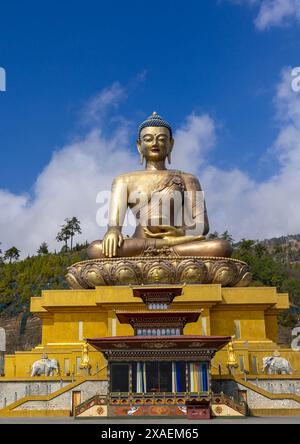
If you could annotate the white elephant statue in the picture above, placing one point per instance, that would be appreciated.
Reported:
(45, 367)
(275, 365)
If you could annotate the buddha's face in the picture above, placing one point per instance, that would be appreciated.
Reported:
(155, 143)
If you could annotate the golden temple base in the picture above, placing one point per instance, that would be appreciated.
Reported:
(68, 316)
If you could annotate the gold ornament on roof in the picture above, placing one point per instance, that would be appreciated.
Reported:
(85, 359)
(232, 361)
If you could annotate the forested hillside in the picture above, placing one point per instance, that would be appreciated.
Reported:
(271, 267)
(22, 279)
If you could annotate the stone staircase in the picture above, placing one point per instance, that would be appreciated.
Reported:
(57, 403)
(261, 402)
(95, 406)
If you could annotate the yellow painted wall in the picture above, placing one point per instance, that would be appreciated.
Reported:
(64, 327)
(47, 327)
(10, 366)
(195, 328)
(271, 327)
(252, 323)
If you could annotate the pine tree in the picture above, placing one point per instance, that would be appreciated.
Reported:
(73, 227)
(227, 236)
(68, 231)
(214, 235)
(12, 254)
(43, 249)
(63, 236)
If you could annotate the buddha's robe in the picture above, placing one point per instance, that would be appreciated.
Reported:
(175, 200)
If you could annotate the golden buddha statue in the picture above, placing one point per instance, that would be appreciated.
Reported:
(169, 245)
(163, 227)
(85, 365)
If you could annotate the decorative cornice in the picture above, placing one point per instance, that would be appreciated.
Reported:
(155, 355)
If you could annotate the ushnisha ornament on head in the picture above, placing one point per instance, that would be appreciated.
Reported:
(155, 121)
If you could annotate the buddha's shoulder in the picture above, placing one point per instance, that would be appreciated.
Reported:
(133, 175)
(186, 176)
(127, 177)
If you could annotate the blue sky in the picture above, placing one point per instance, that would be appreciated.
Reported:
(204, 57)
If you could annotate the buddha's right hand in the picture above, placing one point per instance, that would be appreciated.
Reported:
(112, 239)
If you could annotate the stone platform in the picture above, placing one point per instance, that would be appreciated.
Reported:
(158, 270)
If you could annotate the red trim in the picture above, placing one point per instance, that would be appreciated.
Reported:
(140, 342)
(125, 318)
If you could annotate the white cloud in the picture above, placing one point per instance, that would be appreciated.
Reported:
(258, 210)
(193, 140)
(96, 108)
(274, 12)
(67, 187)
(277, 13)
(77, 172)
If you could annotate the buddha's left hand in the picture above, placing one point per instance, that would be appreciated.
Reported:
(165, 231)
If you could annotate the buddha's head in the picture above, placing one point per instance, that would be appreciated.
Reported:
(155, 141)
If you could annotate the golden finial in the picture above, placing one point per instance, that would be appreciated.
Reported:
(85, 359)
(232, 361)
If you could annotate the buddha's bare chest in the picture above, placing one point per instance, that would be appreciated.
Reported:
(154, 183)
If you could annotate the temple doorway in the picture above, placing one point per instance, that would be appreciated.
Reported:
(159, 377)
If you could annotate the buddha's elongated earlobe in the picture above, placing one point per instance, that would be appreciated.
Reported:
(170, 150)
(142, 157)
